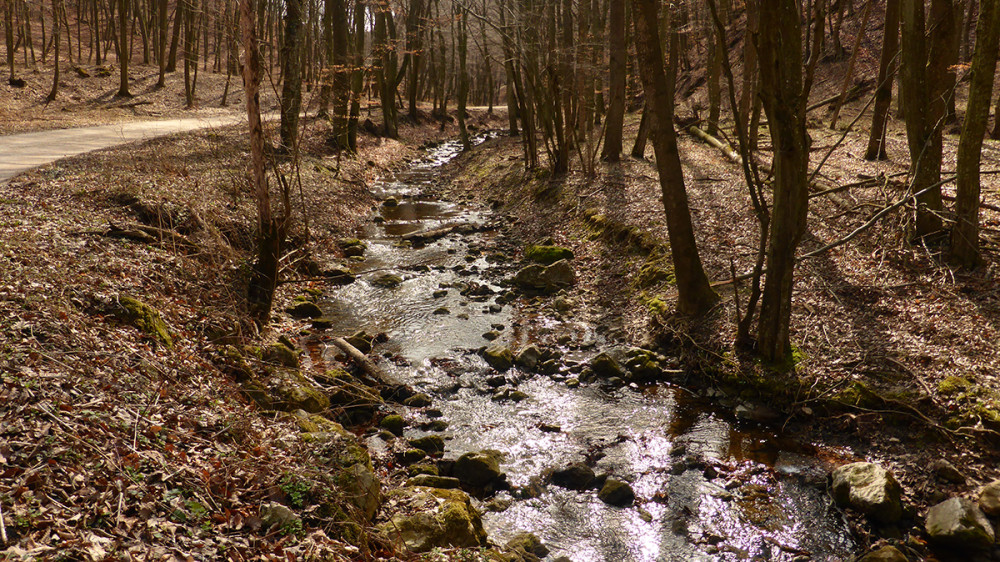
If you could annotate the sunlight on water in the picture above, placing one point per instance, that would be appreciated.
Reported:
(659, 438)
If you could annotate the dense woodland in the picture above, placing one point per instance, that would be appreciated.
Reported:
(738, 75)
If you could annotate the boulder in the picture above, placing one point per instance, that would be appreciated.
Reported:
(884, 554)
(642, 364)
(429, 444)
(606, 366)
(286, 390)
(362, 341)
(547, 255)
(528, 357)
(499, 357)
(527, 543)
(281, 354)
(575, 477)
(305, 309)
(388, 280)
(870, 489)
(989, 498)
(394, 423)
(958, 522)
(546, 279)
(352, 247)
(617, 493)
(338, 275)
(435, 481)
(428, 518)
(478, 470)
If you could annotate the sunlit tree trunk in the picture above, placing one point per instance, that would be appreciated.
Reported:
(965, 234)
(886, 75)
(695, 296)
(357, 75)
(56, 7)
(291, 88)
(616, 106)
(785, 94)
(123, 53)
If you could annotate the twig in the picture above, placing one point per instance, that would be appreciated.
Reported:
(3, 526)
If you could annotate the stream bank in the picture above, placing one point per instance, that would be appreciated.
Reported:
(533, 377)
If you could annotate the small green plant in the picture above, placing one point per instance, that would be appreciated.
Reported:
(296, 488)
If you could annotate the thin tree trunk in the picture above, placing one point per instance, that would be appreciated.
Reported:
(291, 89)
(357, 75)
(56, 7)
(965, 234)
(695, 296)
(886, 75)
(616, 107)
(123, 52)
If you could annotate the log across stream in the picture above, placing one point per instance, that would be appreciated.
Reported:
(706, 488)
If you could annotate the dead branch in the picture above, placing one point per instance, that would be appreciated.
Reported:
(366, 364)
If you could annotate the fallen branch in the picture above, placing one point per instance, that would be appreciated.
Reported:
(727, 151)
(3, 527)
(366, 364)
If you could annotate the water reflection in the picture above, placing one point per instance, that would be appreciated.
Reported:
(706, 489)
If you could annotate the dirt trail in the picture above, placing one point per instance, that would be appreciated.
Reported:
(25, 151)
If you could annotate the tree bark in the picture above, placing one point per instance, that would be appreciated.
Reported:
(357, 75)
(291, 88)
(616, 106)
(123, 49)
(264, 276)
(56, 7)
(695, 296)
(785, 94)
(923, 115)
(965, 234)
(886, 75)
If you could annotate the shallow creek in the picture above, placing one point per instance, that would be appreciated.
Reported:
(706, 488)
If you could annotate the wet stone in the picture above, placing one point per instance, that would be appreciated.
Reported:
(885, 554)
(870, 489)
(958, 522)
(440, 294)
(388, 280)
(431, 444)
(499, 357)
(305, 310)
(433, 481)
(393, 423)
(411, 456)
(441, 311)
(989, 498)
(574, 477)
(491, 335)
(419, 400)
(617, 493)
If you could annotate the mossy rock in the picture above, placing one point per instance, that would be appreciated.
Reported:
(388, 281)
(357, 402)
(286, 390)
(145, 318)
(305, 309)
(430, 444)
(499, 357)
(281, 354)
(361, 488)
(954, 385)
(654, 273)
(478, 470)
(547, 255)
(394, 423)
(352, 247)
(428, 518)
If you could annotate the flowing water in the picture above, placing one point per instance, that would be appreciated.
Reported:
(706, 489)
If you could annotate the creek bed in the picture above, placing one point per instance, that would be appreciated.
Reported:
(706, 488)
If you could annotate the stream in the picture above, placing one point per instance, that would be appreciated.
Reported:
(707, 487)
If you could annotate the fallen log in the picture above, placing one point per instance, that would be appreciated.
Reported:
(726, 150)
(366, 364)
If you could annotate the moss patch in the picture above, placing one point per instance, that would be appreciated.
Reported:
(547, 255)
(146, 318)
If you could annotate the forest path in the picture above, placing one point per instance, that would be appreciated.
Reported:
(22, 152)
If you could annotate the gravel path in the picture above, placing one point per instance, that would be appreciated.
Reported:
(25, 151)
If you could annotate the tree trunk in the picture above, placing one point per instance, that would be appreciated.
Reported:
(695, 296)
(785, 95)
(639, 147)
(175, 37)
(616, 107)
(886, 75)
(923, 131)
(161, 46)
(123, 53)
(357, 75)
(56, 7)
(463, 75)
(414, 44)
(965, 234)
(341, 73)
(386, 73)
(8, 17)
(291, 88)
(264, 276)
(326, 89)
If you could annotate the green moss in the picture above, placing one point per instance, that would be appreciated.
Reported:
(655, 272)
(146, 318)
(656, 305)
(547, 255)
(954, 385)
